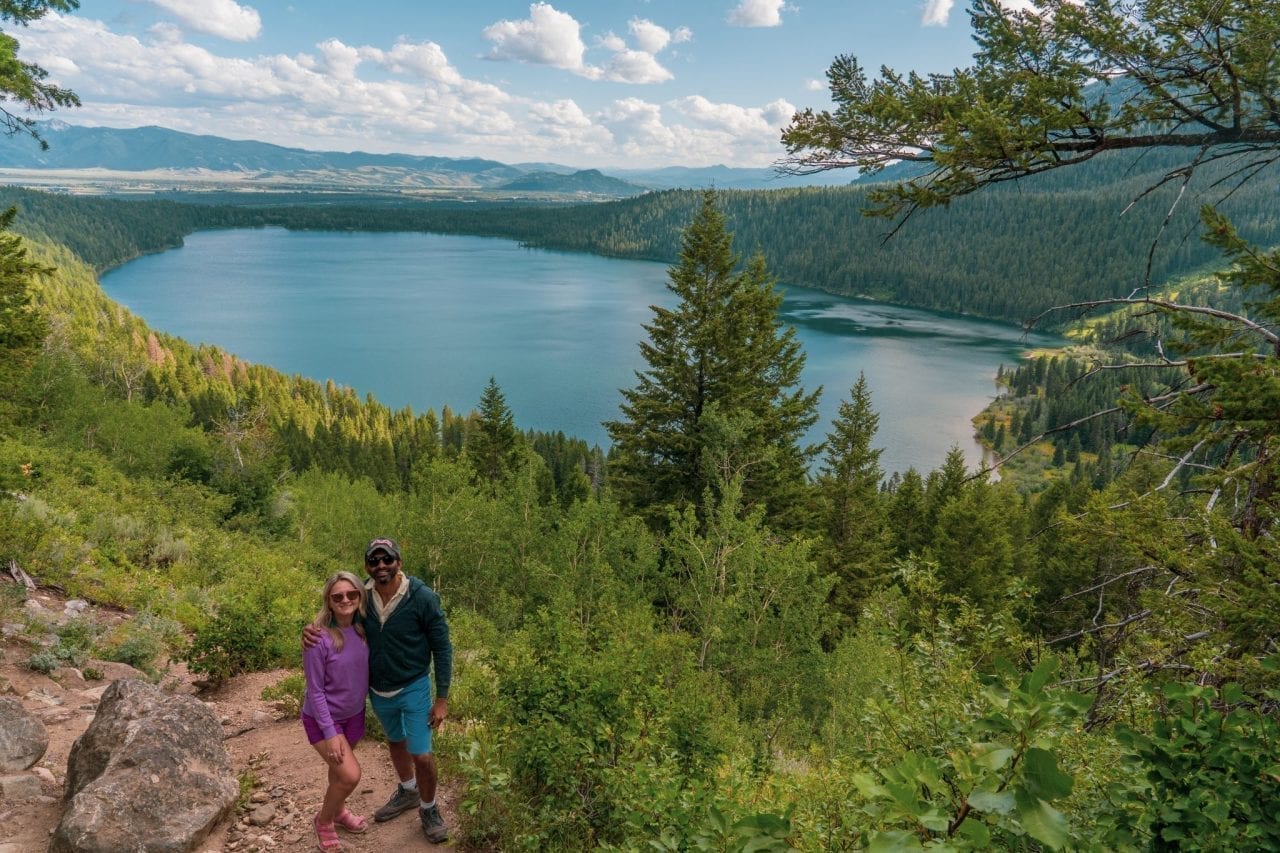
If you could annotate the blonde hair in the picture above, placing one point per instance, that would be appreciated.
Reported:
(325, 618)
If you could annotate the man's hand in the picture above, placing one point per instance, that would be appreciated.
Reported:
(439, 710)
(311, 635)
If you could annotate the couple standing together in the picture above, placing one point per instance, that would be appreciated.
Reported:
(378, 639)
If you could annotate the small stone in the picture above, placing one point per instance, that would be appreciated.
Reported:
(76, 605)
(45, 774)
(43, 697)
(259, 797)
(278, 792)
(262, 815)
(226, 721)
(10, 629)
(95, 693)
(23, 786)
(46, 801)
(260, 718)
(265, 842)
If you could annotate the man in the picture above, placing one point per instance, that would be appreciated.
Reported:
(406, 630)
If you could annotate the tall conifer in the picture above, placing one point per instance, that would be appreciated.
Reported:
(721, 347)
(856, 547)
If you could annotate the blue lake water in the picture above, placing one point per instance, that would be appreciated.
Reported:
(424, 320)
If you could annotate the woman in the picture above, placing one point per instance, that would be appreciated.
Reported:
(337, 671)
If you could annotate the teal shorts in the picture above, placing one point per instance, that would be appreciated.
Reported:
(407, 715)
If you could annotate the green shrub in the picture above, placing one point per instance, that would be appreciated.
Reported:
(79, 633)
(1207, 775)
(141, 641)
(242, 637)
(43, 661)
(287, 693)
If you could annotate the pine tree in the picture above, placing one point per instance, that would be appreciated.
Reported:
(491, 446)
(22, 330)
(856, 547)
(722, 347)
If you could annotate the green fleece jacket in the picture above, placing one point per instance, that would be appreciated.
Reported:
(402, 650)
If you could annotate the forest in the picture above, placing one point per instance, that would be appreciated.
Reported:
(712, 637)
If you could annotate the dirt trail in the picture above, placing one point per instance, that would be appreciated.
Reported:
(289, 776)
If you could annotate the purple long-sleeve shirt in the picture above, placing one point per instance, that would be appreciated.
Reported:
(337, 682)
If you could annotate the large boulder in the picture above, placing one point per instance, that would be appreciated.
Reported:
(150, 774)
(23, 738)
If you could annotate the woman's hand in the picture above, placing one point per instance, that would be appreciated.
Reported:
(336, 749)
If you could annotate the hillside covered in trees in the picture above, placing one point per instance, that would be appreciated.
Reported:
(696, 644)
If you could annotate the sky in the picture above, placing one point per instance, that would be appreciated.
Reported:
(584, 83)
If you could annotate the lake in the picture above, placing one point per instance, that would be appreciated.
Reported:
(424, 320)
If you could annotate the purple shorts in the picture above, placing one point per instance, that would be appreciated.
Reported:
(352, 727)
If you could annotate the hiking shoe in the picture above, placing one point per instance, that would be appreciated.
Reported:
(401, 801)
(433, 825)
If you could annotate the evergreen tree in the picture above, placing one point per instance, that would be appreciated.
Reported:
(907, 521)
(22, 330)
(491, 445)
(721, 347)
(856, 547)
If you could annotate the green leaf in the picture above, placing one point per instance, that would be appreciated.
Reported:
(1040, 677)
(897, 841)
(1042, 821)
(1044, 779)
(1000, 803)
(976, 832)
(995, 757)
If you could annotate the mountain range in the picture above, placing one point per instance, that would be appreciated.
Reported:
(248, 163)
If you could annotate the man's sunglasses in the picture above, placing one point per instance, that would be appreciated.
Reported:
(349, 595)
(384, 560)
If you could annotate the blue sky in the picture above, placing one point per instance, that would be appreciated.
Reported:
(580, 82)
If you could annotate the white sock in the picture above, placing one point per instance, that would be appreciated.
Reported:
(411, 785)
(423, 804)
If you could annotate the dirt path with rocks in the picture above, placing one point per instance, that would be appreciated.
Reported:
(289, 778)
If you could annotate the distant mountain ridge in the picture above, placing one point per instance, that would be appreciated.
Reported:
(150, 149)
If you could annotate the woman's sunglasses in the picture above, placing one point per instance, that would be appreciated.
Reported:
(384, 560)
(349, 595)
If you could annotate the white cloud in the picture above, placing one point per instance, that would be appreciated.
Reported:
(757, 13)
(648, 36)
(636, 66)
(734, 119)
(425, 60)
(815, 85)
(404, 97)
(681, 34)
(223, 18)
(547, 37)
(937, 13)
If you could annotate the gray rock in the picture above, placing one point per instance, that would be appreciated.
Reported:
(76, 605)
(23, 786)
(23, 738)
(262, 815)
(150, 775)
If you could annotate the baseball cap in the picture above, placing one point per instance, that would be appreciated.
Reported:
(383, 544)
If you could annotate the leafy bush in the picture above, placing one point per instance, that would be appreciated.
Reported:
(287, 693)
(43, 661)
(1208, 775)
(598, 734)
(241, 638)
(141, 641)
